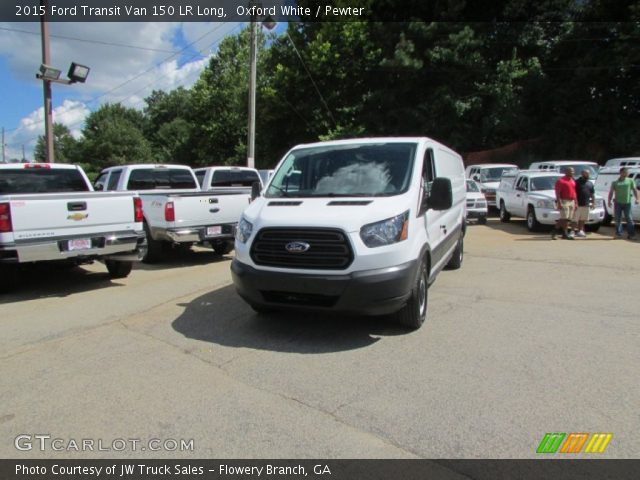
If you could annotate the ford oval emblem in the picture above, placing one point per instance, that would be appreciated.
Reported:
(297, 247)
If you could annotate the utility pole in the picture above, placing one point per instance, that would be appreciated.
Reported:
(3, 157)
(23, 157)
(253, 53)
(46, 84)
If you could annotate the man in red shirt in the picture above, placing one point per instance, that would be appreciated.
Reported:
(566, 202)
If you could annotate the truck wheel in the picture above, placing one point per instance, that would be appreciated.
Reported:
(504, 215)
(154, 247)
(118, 269)
(532, 222)
(482, 220)
(593, 227)
(223, 248)
(414, 313)
(458, 255)
(607, 218)
(9, 277)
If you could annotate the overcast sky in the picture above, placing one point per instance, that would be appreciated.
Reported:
(127, 60)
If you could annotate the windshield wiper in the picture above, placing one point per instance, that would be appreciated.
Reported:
(284, 192)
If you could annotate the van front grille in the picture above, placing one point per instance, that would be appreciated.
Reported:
(318, 248)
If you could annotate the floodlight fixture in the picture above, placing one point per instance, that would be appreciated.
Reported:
(78, 73)
(47, 72)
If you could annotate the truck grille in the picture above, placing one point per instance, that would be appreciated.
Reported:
(329, 249)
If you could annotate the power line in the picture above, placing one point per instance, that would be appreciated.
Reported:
(311, 78)
(97, 42)
(131, 79)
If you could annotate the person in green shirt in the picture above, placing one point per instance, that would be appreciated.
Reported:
(623, 188)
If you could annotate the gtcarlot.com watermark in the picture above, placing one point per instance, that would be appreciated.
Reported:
(45, 442)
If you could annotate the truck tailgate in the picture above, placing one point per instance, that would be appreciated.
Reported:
(68, 214)
(205, 208)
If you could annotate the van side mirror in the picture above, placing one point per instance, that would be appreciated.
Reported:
(255, 190)
(441, 196)
(476, 177)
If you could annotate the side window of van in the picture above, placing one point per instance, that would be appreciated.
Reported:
(428, 171)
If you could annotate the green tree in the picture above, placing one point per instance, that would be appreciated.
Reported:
(169, 125)
(65, 147)
(113, 135)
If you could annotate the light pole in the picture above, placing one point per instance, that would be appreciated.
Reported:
(46, 85)
(49, 75)
(253, 64)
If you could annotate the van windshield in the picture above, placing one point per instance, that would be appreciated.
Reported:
(494, 174)
(544, 183)
(353, 170)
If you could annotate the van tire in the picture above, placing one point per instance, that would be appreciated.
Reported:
(504, 215)
(223, 248)
(261, 309)
(118, 268)
(458, 255)
(594, 227)
(9, 277)
(606, 221)
(532, 222)
(154, 247)
(414, 312)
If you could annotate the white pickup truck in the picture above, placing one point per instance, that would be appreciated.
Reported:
(176, 210)
(49, 212)
(531, 194)
(228, 179)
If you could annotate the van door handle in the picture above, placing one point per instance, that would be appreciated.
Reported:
(214, 210)
(517, 195)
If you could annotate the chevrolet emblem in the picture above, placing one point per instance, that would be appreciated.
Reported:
(77, 216)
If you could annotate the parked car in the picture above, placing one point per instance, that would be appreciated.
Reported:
(603, 185)
(364, 227)
(488, 175)
(49, 212)
(623, 162)
(176, 211)
(561, 166)
(227, 179)
(531, 194)
(476, 203)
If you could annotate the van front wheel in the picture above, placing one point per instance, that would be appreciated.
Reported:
(414, 313)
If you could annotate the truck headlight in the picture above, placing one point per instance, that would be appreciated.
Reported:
(243, 232)
(550, 204)
(386, 232)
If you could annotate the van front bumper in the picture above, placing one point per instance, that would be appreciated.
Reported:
(371, 292)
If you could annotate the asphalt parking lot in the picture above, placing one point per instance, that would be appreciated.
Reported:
(530, 336)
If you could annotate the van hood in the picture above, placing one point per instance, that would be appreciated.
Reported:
(346, 213)
(543, 194)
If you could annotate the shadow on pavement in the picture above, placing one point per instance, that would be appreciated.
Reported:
(182, 257)
(223, 318)
(50, 279)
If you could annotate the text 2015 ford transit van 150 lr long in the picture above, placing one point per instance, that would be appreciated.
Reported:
(356, 226)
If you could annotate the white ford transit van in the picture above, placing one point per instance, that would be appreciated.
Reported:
(356, 226)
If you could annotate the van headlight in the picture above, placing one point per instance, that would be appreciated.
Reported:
(550, 204)
(386, 232)
(243, 232)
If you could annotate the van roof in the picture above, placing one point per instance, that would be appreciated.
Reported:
(564, 162)
(537, 173)
(615, 169)
(490, 165)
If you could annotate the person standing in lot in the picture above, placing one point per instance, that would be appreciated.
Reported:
(586, 196)
(623, 187)
(566, 203)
